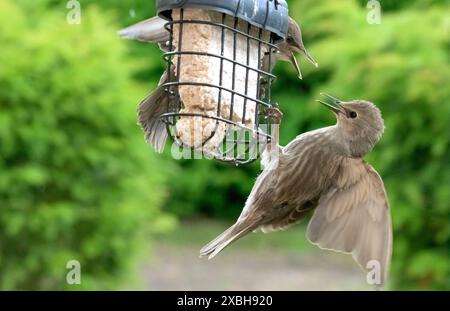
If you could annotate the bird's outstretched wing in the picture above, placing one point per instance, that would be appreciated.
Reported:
(149, 112)
(354, 217)
(151, 30)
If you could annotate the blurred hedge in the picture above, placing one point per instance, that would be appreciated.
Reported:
(76, 180)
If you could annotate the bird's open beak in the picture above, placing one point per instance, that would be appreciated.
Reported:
(335, 104)
(297, 67)
(311, 59)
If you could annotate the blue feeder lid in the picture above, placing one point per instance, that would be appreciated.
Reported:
(271, 15)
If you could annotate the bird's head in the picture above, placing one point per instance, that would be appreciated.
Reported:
(294, 37)
(359, 121)
(294, 42)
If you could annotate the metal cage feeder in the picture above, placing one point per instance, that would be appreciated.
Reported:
(220, 79)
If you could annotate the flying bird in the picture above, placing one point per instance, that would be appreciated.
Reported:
(322, 172)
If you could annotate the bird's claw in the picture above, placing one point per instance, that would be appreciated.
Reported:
(275, 114)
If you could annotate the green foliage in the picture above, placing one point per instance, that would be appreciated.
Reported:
(75, 181)
(212, 189)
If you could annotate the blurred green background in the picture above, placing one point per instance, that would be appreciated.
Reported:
(77, 180)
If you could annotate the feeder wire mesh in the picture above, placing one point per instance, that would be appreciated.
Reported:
(241, 138)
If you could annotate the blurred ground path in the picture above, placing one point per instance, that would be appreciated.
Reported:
(181, 269)
(176, 266)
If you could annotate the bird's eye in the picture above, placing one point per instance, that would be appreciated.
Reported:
(353, 115)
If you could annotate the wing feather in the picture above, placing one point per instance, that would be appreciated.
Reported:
(149, 112)
(354, 217)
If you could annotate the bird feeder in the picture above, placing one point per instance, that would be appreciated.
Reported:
(219, 62)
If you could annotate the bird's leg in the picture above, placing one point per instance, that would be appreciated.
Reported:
(276, 116)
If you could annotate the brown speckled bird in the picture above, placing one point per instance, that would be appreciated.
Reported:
(323, 172)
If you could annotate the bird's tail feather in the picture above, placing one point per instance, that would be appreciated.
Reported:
(150, 30)
(230, 235)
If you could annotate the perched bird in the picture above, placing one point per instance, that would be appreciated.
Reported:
(323, 171)
(153, 106)
(286, 49)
